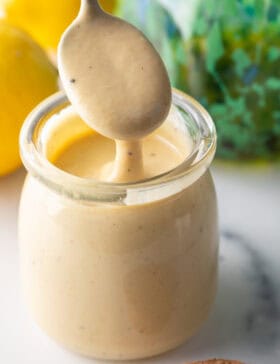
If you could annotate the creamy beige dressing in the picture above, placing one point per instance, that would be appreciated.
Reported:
(117, 82)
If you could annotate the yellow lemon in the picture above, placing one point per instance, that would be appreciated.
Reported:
(27, 77)
(45, 20)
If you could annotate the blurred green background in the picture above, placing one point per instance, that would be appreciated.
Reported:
(226, 54)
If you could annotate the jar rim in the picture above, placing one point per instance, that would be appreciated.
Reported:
(195, 164)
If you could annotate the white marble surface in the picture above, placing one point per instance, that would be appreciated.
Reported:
(245, 321)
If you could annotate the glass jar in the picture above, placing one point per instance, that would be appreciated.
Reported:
(225, 54)
(119, 271)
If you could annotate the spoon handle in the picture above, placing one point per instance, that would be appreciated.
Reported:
(89, 7)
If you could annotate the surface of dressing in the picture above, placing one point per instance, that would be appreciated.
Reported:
(116, 81)
(92, 156)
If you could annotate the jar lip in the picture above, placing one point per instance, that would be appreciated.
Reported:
(88, 189)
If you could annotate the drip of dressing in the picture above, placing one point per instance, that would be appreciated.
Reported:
(116, 81)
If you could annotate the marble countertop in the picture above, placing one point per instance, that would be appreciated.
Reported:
(245, 321)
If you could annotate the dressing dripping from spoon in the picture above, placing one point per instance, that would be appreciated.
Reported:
(117, 83)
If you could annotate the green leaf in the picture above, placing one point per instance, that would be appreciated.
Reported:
(242, 61)
(215, 47)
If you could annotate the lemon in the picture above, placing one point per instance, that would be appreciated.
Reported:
(27, 76)
(45, 20)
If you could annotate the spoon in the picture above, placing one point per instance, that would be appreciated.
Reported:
(114, 77)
